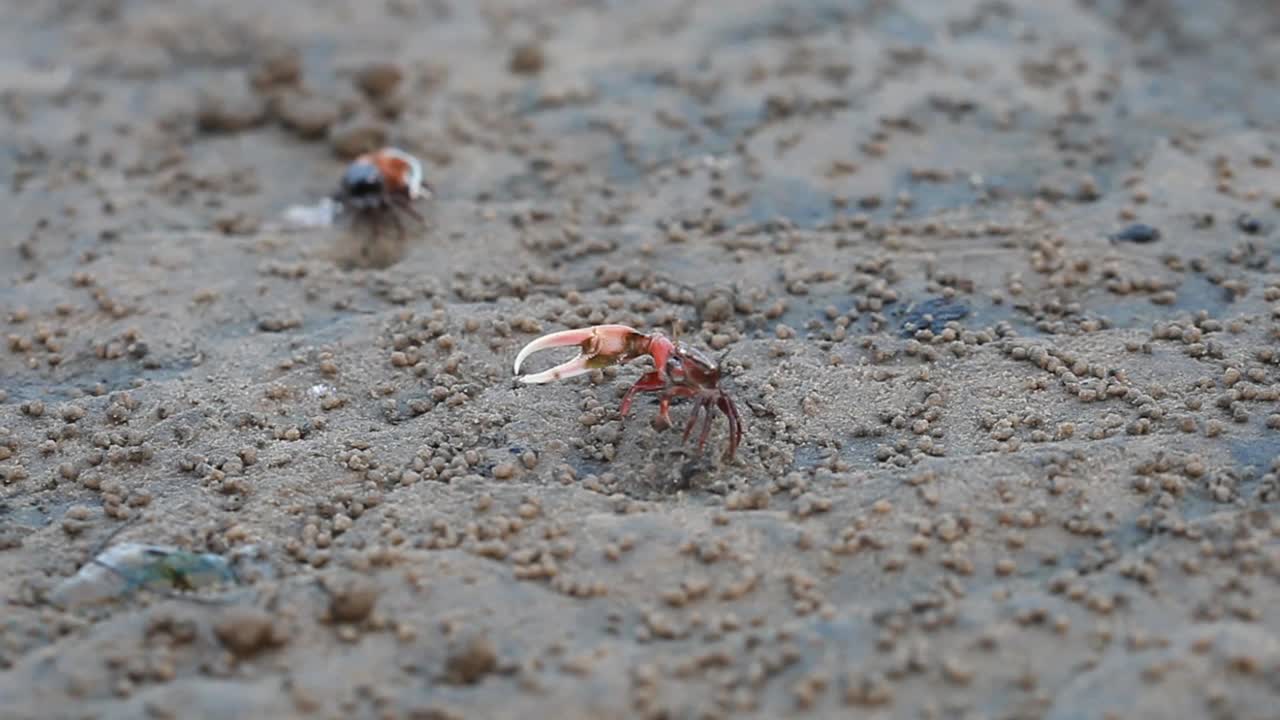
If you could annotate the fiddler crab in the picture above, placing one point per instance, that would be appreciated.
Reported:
(679, 371)
(380, 185)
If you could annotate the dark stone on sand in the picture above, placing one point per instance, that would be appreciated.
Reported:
(1139, 233)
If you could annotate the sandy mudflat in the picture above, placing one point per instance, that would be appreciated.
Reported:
(998, 284)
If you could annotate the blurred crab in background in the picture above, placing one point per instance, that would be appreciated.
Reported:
(679, 371)
(379, 185)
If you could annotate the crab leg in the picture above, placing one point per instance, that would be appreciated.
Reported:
(599, 346)
(693, 420)
(398, 224)
(707, 417)
(730, 410)
(404, 204)
(649, 382)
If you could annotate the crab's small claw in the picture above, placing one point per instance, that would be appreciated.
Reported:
(600, 346)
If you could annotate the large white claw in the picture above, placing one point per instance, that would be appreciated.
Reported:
(598, 340)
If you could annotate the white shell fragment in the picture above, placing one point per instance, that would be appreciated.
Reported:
(122, 569)
(320, 214)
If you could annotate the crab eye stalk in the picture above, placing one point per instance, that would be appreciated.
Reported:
(675, 367)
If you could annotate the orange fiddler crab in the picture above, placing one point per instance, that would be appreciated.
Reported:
(679, 371)
(378, 185)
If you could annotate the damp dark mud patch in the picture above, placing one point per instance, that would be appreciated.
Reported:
(78, 378)
(933, 315)
(26, 512)
(796, 20)
(19, 514)
(857, 449)
(798, 202)
(811, 315)
(1255, 454)
(1194, 293)
(808, 457)
(1215, 49)
(628, 123)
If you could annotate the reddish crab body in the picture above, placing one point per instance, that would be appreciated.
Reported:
(379, 185)
(679, 371)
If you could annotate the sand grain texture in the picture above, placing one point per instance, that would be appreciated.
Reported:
(1006, 457)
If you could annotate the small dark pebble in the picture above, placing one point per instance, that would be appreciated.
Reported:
(236, 224)
(526, 60)
(1136, 233)
(10, 538)
(470, 660)
(230, 113)
(282, 68)
(353, 138)
(308, 116)
(1250, 225)
(379, 80)
(246, 630)
(353, 601)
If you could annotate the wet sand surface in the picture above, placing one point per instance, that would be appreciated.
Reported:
(997, 283)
